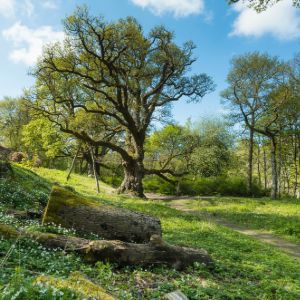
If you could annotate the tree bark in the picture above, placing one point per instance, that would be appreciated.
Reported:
(279, 167)
(156, 252)
(133, 178)
(250, 161)
(134, 171)
(73, 162)
(295, 156)
(265, 170)
(99, 157)
(95, 171)
(89, 216)
(274, 188)
(258, 164)
(286, 181)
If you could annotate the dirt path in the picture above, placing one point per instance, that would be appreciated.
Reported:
(290, 248)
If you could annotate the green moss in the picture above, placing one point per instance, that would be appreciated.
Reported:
(43, 236)
(61, 197)
(8, 231)
(78, 283)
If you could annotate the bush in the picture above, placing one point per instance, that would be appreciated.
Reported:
(154, 184)
(112, 180)
(223, 186)
(207, 186)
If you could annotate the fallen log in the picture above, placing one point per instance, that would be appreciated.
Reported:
(156, 252)
(87, 216)
(27, 214)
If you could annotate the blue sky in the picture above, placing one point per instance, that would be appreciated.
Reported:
(219, 31)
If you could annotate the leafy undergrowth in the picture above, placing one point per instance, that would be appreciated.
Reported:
(245, 268)
(280, 217)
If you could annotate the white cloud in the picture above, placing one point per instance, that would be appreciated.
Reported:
(281, 20)
(180, 8)
(28, 43)
(50, 4)
(7, 8)
(10, 8)
(28, 7)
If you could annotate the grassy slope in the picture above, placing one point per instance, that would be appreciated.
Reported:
(280, 217)
(246, 269)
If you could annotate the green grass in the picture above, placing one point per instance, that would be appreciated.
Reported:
(29, 180)
(280, 217)
(82, 184)
(245, 268)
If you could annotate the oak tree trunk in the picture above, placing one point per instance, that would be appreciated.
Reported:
(133, 179)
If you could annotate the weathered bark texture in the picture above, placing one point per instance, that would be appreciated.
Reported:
(95, 172)
(133, 179)
(274, 188)
(265, 170)
(73, 163)
(88, 216)
(296, 157)
(258, 164)
(156, 252)
(250, 162)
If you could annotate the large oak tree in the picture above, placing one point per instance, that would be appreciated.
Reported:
(121, 75)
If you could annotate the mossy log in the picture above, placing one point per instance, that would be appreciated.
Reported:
(156, 252)
(87, 216)
(82, 286)
(28, 214)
